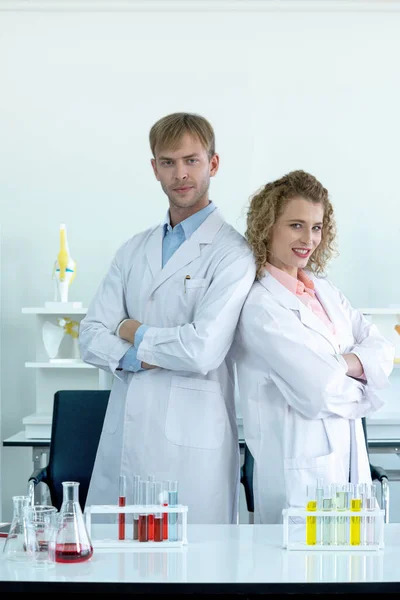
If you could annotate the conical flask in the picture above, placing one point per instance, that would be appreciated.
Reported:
(20, 537)
(72, 541)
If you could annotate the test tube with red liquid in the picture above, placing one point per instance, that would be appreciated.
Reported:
(121, 502)
(143, 534)
(150, 518)
(158, 517)
(136, 501)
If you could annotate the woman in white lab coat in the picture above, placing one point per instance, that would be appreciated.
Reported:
(308, 364)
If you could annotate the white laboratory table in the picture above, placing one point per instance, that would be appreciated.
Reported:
(219, 559)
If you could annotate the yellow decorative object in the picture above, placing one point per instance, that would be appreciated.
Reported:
(64, 271)
(70, 327)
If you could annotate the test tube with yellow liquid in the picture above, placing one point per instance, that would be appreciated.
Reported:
(355, 522)
(311, 522)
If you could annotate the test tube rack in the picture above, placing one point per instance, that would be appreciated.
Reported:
(295, 523)
(129, 543)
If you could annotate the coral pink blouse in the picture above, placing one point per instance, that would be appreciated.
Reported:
(303, 288)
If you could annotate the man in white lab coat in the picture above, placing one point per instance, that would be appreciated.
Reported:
(162, 322)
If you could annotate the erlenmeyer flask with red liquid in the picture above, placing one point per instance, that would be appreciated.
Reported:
(73, 543)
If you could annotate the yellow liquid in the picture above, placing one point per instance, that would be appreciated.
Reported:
(355, 524)
(311, 525)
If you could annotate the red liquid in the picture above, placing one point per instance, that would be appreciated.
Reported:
(158, 529)
(142, 528)
(135, 528)
(73, 553)
(150, 524)
(121, 519)
(165, 524)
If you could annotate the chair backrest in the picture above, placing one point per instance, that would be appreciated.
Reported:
(78, 417)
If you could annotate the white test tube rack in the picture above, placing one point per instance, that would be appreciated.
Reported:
(299, 525)
(129, 542)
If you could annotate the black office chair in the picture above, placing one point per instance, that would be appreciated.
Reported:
(247, 469)
(378, 474)
(78, 417)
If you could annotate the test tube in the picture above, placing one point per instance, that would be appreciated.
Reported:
(136, 500)
(173, 517)
(327, 522)
(165, 503)
(355, 522)
(320, 495)
(341, 525)
(311, 522)
(143, 535)
(150, 518)
(121, 502)
(158, 517)
(370, 505)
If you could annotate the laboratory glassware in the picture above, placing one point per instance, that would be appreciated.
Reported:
(370, 505)
(143, 529)
(73, 543)
(121, 502)
(173, 517)
(355, 522)
(311, 522)
(158, 518)
(136, 501)
(327, 522)
(165, 503)
(150, 517)
(20, 537)
(42, 524)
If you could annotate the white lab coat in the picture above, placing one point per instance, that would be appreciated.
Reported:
(301, 411)
(177, 422)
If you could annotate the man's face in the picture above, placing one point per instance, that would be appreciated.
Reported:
(184, 173)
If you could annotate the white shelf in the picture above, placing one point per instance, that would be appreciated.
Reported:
(42, 310)
(58, 365)
(380, 311)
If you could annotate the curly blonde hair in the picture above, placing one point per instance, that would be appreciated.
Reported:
(268, 203)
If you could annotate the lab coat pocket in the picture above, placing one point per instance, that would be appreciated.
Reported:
(303, 471)
(195, 283)
(195, 413)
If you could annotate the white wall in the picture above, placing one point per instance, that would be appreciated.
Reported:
(284, 90)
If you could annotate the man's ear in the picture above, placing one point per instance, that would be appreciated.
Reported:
(154, 165)
(214, 165)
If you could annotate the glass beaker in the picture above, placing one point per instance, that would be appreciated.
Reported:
(72, 541)
(43, 521)
(20, 538)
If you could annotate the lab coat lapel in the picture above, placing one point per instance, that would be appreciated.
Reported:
(290, 300)
(188, 251)
(153, 250)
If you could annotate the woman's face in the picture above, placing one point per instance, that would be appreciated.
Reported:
(295, 235)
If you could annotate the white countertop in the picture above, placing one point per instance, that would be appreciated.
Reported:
(226, 554)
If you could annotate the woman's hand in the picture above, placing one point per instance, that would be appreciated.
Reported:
(355, 368)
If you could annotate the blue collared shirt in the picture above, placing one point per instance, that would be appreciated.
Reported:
(172, 240)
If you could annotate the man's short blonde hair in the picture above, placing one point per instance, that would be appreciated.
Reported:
(168, 132)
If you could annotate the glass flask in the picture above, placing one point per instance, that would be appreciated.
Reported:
(72, 541)
(20, 538)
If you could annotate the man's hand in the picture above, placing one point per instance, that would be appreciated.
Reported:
(128, 329)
